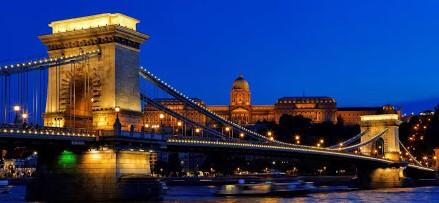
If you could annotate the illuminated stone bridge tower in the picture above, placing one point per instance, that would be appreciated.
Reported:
(388, 144)
(84, 94)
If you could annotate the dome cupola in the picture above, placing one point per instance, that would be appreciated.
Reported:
(240, 94)
(240, 84)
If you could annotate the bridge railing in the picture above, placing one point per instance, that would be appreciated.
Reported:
(12, 128)
(134, 134)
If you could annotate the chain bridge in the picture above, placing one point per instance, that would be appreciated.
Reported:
(81, 109)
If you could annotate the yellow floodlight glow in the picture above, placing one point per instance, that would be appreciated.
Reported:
(379, 117)
(93, 21)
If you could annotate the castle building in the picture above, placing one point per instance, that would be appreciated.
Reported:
(240, 109)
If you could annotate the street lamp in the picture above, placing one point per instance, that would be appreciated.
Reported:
(117, 109)
(24, 116)
(161, 116)
(16, 110)
(228, 130)
(117, 126)
(269, 133)
(241, 135)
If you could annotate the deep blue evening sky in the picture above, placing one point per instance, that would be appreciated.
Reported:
(360, 52)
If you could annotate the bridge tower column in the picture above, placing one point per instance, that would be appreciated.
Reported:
(436, 162)
(84, 94)
(372, 176)
(375, 124)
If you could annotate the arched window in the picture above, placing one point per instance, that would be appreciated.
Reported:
(378, 147)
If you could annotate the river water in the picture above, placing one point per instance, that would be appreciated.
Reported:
(205, 194)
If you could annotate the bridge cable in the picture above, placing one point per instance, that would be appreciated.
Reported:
(410, 155)
(179, 116)
(46, 63)
(349, 141)
(3, 102)
(374, 138)
(164, 86)
(181, 97)
(8, 95)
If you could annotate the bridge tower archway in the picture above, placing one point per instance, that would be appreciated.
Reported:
(389, 141)
(379, 147)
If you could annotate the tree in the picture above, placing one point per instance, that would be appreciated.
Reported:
(292, 125)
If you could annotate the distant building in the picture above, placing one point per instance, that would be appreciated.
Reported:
(152, 116)
(241, 111)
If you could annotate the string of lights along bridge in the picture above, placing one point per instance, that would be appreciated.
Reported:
(89, 91)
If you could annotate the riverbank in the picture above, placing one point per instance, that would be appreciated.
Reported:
(215, 181)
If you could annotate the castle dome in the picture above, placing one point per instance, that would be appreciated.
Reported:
(240, 84)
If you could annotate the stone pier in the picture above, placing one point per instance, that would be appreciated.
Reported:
(93, 175)
(386, 177)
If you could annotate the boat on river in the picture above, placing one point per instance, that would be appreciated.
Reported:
(294, 188)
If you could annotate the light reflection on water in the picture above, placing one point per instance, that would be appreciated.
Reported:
(400, 195)
(196, 194)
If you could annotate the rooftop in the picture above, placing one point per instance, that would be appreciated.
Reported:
(93, 21)
(321, 99)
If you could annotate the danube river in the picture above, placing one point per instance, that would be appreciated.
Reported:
(205, 194)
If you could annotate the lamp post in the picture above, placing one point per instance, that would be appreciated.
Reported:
(297, 138)
(16, 109)
(161, 116)
(179, 124)
(117, 109)
(270, 135)
(117, 126)
(24, 117)
(228, 130)
(241, 135)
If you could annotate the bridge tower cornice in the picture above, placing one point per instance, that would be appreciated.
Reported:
(94, 36)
